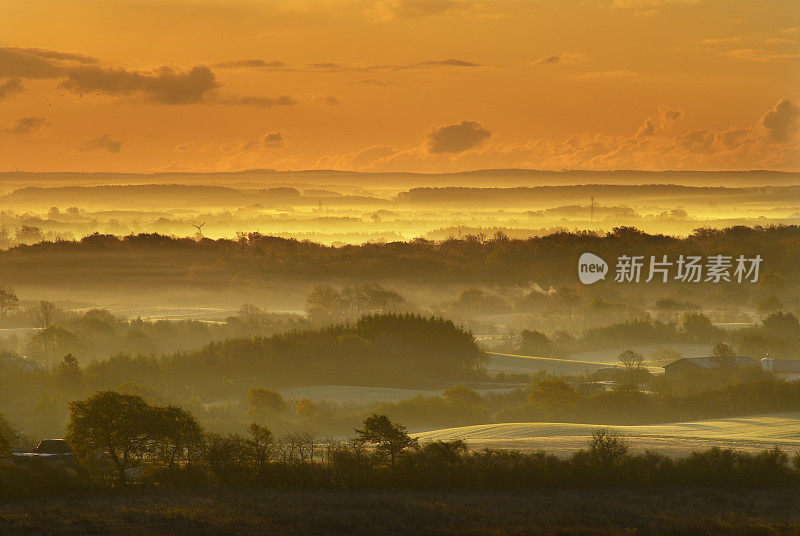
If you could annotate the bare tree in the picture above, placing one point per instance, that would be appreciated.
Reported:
(43, 317)
(633, 362)
(570, 297)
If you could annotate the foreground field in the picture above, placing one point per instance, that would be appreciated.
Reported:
(565, 512)
(746, 433)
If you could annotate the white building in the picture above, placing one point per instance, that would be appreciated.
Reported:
(788, 369)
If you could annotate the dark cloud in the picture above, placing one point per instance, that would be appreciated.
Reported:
(103, 143)
(457, 138)
(56, 55)
(375, 82)
(415, 9)
(451, 62)
(165, 85)
(9, 87)
(329, 100)
(564, 57)
(781, 121)
(333, 67)
(250, 64)
(273, 139)
(19, 62)
(26, 125)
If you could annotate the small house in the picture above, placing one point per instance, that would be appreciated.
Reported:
(689, 365)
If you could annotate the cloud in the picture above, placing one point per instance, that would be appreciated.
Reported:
(758, 55)
(329, 100)
(781, 121)
(165, 85)
(9, 87)
(334, 67)
(26, 125)
(415, 9)
(457, 138)
(769, 143)
(20, 62)
(371, 157)
(375, 82)
(250, 64)
(794, 30)
(668, 115)
(272, 139)
(564, 57)
(599, 75)
(267, 102)
(720, 40)
(451, 62)
(102, 143)
(780, 41)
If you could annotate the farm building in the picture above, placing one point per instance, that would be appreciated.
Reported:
(688, 365)
(788, 369)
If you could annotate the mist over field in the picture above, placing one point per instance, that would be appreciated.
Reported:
(394, 267)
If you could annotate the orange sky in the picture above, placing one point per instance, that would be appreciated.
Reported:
(388, 85)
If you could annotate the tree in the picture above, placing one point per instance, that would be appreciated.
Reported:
(632, 361)
(69, 374)
(570, 297)
(698, 327)
(390, 439)
(43, 317)
(607, 447)
(176, 434)
(547, 393)
(324, 304)
(369, 298)
(305, 407)
(119, 426)
(263, 402)
(462, 395)
(724, 356)
(225, 456)
(534, 343)
(260, 446)
(8, 302)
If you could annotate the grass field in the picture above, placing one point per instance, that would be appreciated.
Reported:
(546, 512)
(745, 433)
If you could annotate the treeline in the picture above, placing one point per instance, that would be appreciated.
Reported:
(385, 350)
(777, 335)
(390, 350)
(548, 260)
(117, 438)
(97, 334)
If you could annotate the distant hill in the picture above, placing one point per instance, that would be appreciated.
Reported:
(168, 196)
(487, 177)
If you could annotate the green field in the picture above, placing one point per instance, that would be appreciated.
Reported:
(746, 433)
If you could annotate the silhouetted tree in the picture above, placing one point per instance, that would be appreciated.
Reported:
(389, 439)
(119, 426)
